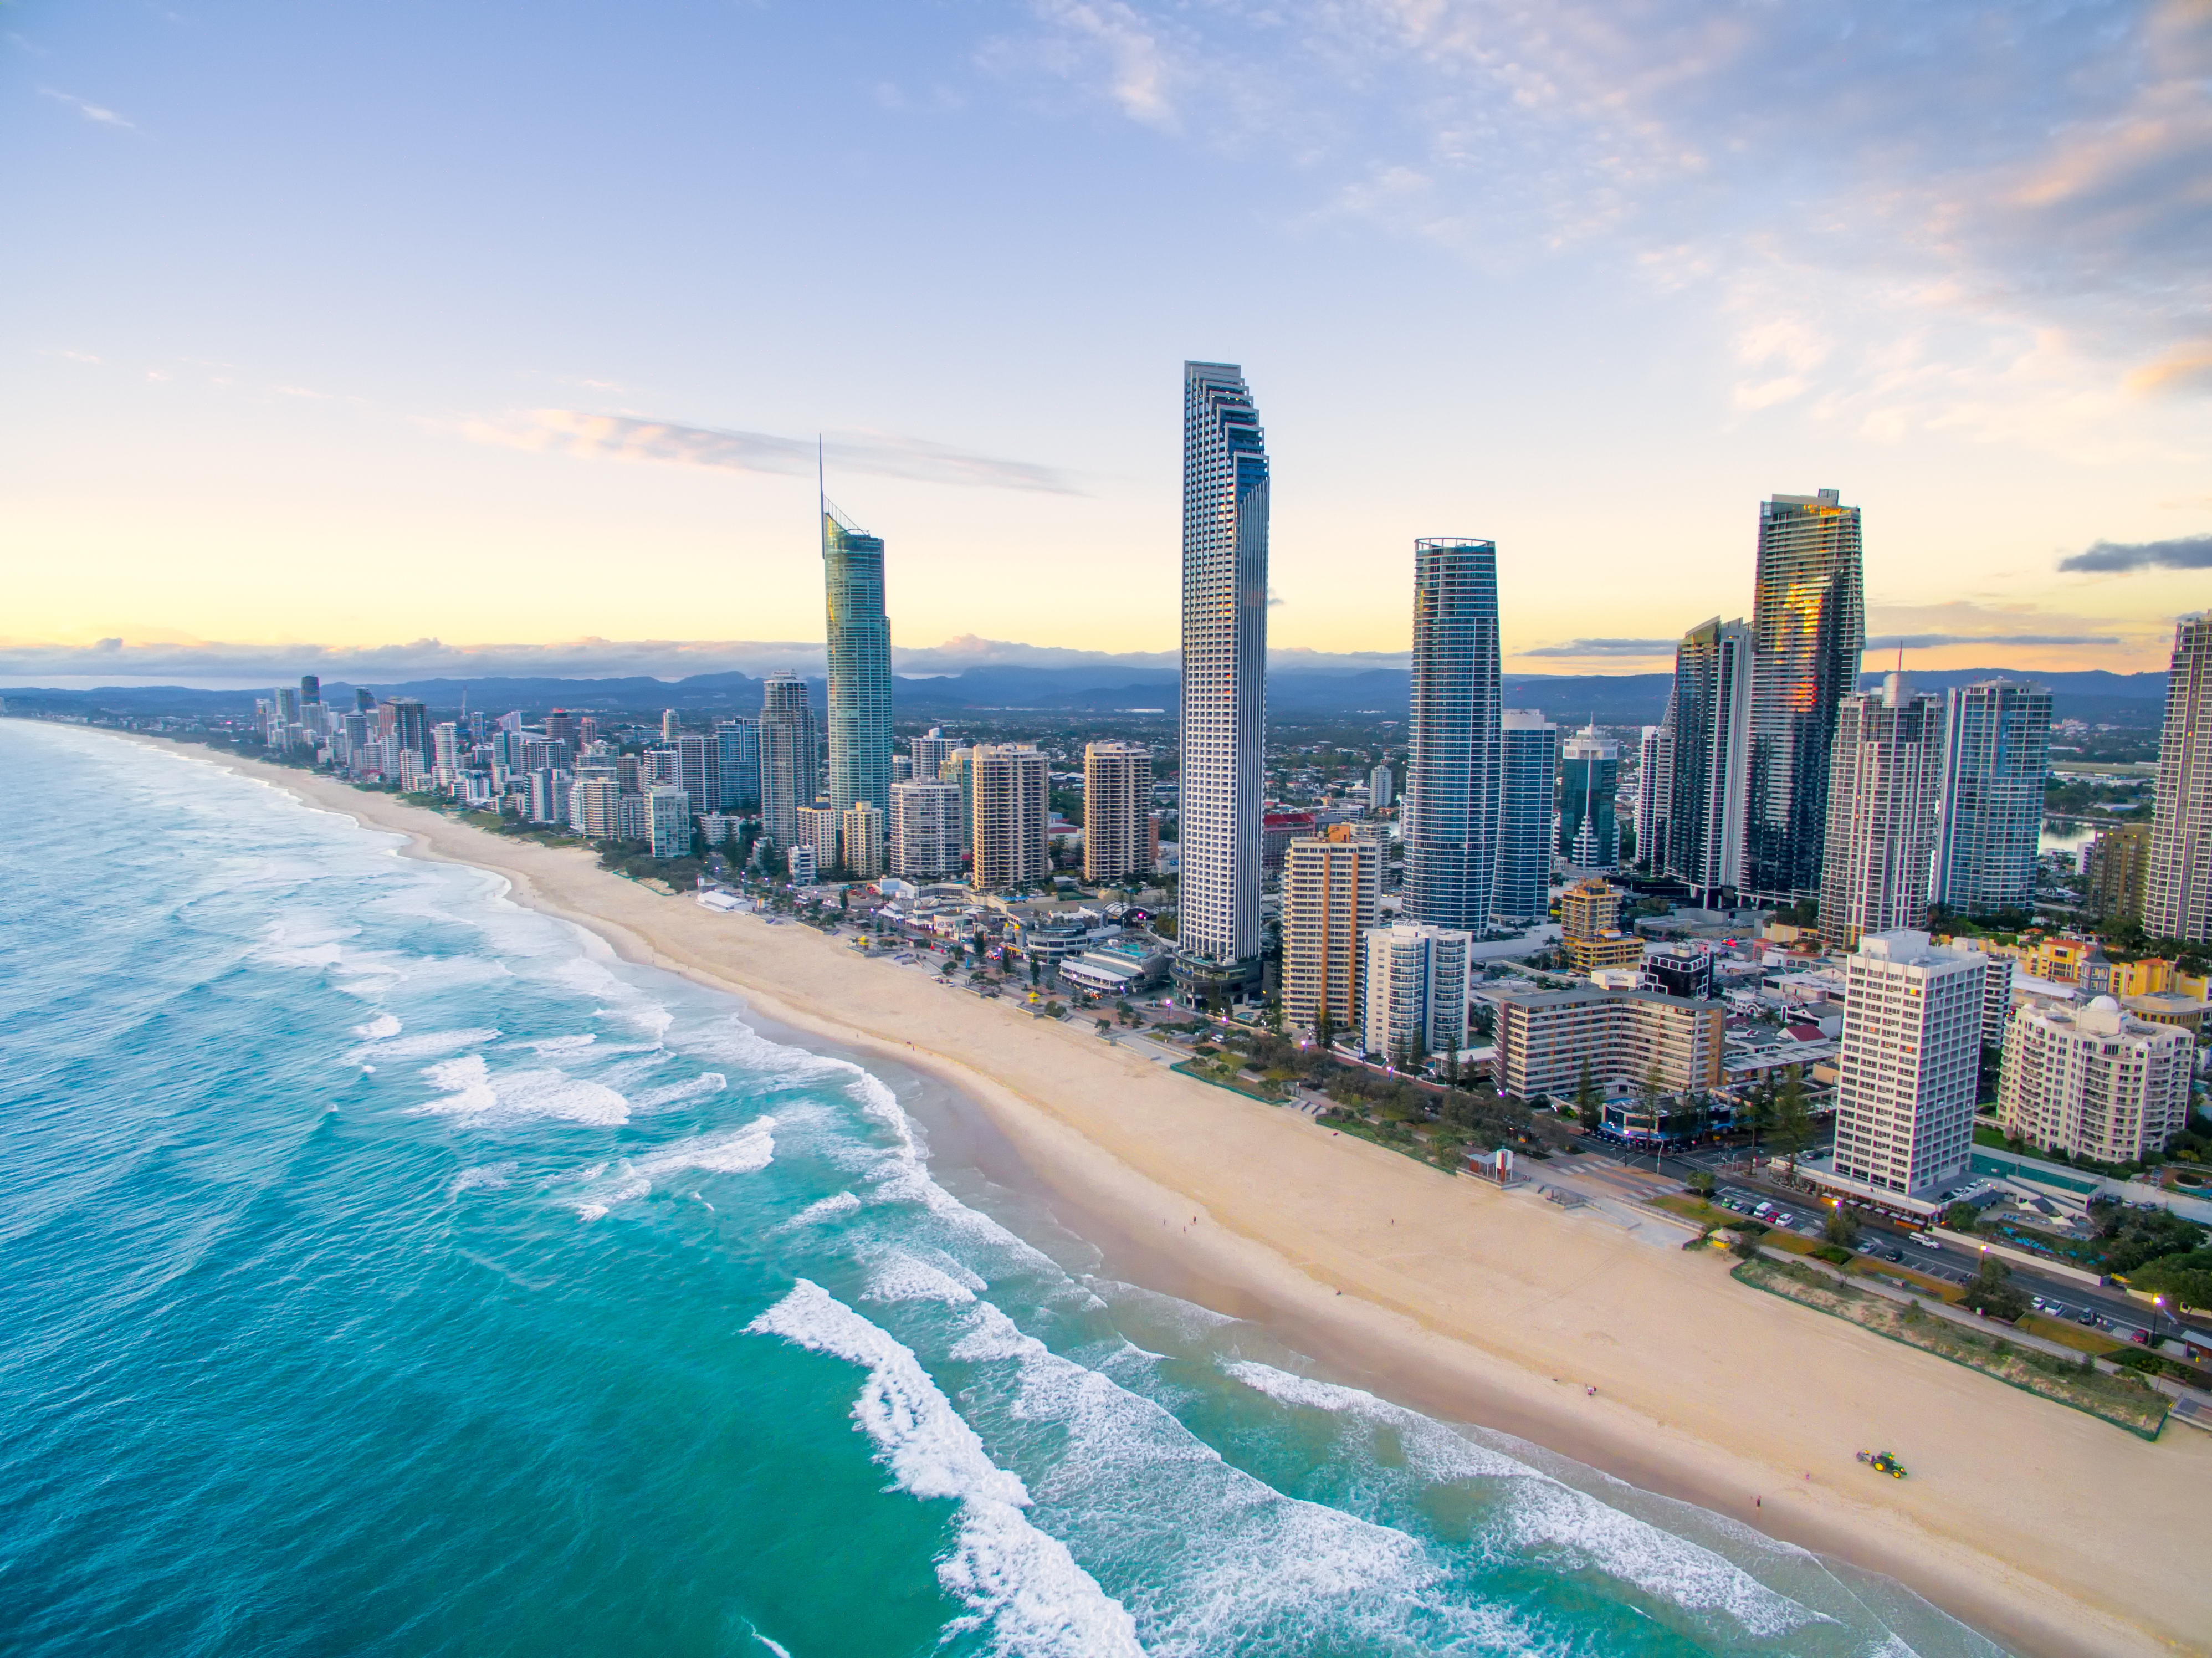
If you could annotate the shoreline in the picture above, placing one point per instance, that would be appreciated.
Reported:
(2047, 1532)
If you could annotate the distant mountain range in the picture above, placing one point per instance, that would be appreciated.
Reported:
(2098, 697)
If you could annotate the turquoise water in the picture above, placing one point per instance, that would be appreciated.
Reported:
(385, 1269)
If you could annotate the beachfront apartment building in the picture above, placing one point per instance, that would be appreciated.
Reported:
(860, 837)
(819, 827)
(595, 808)
(1909, 1064)
(699, 770)
(2178, 878)
(1226, 485)
(669, 821)
(1413, 983)
(1449, 817)
(1010, 785)
(736, 742)
(1117, 800)
(1548, 1039)
(925, 830)
(1883, 777)
(2094, 1082)
(1332, 894)
(800, 865)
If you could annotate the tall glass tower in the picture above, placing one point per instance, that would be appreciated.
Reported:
(789, 768)
(1224, 691)
(1529, 766)
(2178, 882)
(1996, 747)
(860, 667)
(1449, 821)
(1590, 781)
(1709, 752)
(1809, 626)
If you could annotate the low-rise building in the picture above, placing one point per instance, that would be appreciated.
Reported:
(2095, 1082)
(1548, 1039)
(798, 863)
(1118, 967)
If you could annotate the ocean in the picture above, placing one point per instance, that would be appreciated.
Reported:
(385, 1268)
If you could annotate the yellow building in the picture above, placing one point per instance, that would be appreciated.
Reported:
(1589, 927)
(1332, 888)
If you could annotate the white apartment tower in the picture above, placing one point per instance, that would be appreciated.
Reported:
(2094, 1082)
(1415, 987)
(1011, 788)
(670, 824)
(1884, 773)
(1117, 799)
(1910, 1062)
(925, 830)
(2178, 880)
(1224, 661)
(1332, 891)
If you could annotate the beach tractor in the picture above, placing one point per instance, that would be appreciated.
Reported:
(1883, 1462)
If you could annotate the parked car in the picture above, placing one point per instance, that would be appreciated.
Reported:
(2088, 1316)
(2141, 1338)
(2036, 1301)
(2056, 1309)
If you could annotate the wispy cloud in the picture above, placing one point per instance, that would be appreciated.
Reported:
(628, 437)
(2182, 553)
(1606, 648)
(90, 112)
(1930, 641)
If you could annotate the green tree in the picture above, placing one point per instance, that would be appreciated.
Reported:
(1962, 1217)
(1990, 1291)
(1793, 1126)
(1324, 1028)
(1842, 1228)
(1586, 1108)
(1701, 1182)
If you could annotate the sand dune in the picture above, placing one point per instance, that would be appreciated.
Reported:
(2049, 1531)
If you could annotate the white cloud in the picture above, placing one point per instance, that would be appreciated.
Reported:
(90, 112)
(628, 437)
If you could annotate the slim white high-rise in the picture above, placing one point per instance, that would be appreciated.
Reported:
(1883, 772)
(925, 830)
(1224, 660)
(1910, 1062)
(1455, 764)
(1117, 798)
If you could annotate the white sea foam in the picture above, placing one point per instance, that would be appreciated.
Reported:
(472, 1088)
(696, 1088)
(821, 1209)
(423, 1045)
(1545, 1514)
(560, 1044)
(900, 1277)
(383, 1026)
(488, 1176)
(1018, 1582)
(1232, 1563)
(731, 1151)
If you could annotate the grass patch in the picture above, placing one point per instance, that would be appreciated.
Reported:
(1227, 1077)
(2121, 1401)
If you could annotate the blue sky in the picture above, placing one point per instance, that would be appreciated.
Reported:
(511, 325)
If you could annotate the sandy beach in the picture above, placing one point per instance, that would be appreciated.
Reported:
(2048, 1530)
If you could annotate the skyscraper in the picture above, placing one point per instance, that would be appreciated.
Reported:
(1654, 790)
(1529, 766)
(2113, 867)
(1910, 1062)
(699, 770)
(738, 741)
(789, 768)
(1117, 799)
(1450, 814)
(1224, 663)
(860, 836)
(1882, 786)
(1589, 778)
(409, 729)
(2178, 880)
(1808, 627)
(1332, 889)
(1013, 816)
(860, 665)
(1996, 748)
(1709, 745)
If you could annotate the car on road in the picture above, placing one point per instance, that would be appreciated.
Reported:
(2036, 1301)
(2088, 1316)
(1925, 1241)
(1894, 1254)
(2056, 1309)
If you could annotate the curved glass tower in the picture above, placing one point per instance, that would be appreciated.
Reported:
(1224, 664)
(1809, 626)
(860, 667)
(1451, 816)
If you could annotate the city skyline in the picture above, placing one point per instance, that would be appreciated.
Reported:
(2013, 388)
